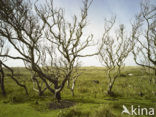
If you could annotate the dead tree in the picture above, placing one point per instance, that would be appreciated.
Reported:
(4, 51)
(113, 52)
(25, 29)
(68, 38)
(21, 28)
(144, 34)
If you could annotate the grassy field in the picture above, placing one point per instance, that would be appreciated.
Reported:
(90, 100)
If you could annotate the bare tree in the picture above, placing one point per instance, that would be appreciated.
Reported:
(4, 50)
(68, 38)
(144, 29)
(20, 26)
(26, 29)
(113, 51)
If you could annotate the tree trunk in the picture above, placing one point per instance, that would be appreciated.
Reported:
(57, 93)
(2, 84)
(109, 92)
(58, 96)
(73, 86)
(72, 92)
(40, 93)
(68, 83)
(39, 89)
(2, 80)
(111, 84)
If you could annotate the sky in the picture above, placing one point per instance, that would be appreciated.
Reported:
(124, 10)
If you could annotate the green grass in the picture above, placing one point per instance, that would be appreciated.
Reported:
(90, 98)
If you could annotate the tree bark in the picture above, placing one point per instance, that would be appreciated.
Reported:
(109, 92)
(34, 80)
(57, 91)
(73, 86)
(2, 80)
(58, 96)
(111, 84)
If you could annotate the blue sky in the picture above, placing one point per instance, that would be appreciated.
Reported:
(125, 10)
